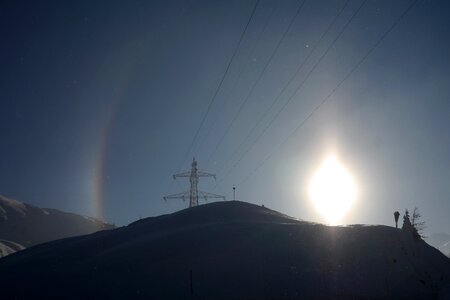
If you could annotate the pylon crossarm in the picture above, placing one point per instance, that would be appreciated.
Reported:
(182, 196)
(205, 174)
(182, 174)
(206, 195)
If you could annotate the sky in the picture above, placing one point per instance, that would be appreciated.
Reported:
(101, 102)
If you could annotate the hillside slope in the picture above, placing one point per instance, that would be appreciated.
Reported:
(28, 225)
(234, 250)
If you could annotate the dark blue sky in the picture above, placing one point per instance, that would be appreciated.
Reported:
(101, 100)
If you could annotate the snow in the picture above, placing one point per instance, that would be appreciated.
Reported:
(8, 247)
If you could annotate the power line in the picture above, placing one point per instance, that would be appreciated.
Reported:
(240, 73)
(256, 82)
(185, 156)
(266, 24)
(221, 82)
(278, 97)
(360, 62)
(269, 124)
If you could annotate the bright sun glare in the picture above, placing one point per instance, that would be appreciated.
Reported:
(332, 191)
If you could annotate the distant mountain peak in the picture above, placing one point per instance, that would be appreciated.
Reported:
(28, 225)
(13, 204)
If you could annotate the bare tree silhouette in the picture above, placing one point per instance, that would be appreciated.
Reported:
(414, 224)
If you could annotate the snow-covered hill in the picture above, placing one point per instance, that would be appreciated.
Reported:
(27, 225)
(230, 250)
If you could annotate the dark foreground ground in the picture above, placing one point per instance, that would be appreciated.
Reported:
(229, 250)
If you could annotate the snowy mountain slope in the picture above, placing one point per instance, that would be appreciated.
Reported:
(8, 204)
(8, 247)
(28, 225)
(234, 250)
(440, 241)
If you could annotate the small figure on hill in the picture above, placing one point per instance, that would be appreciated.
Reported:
(396, 216)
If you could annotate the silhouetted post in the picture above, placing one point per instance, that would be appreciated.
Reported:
(396, 216)
(190, 280)
(234, 192)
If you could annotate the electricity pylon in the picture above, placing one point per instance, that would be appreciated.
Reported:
(193, 193)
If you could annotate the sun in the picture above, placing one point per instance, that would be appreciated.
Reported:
(332, 190)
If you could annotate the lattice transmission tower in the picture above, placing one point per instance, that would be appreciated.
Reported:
(194, 174)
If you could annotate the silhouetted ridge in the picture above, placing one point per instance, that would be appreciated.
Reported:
(234, 250)
(229, 211)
